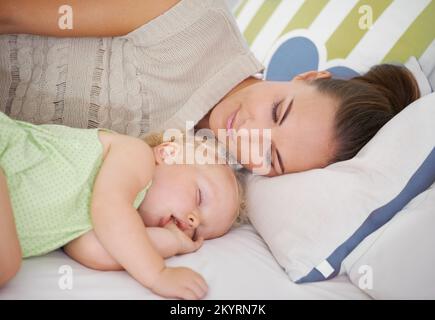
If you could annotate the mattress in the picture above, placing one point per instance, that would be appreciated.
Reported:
(236, 266)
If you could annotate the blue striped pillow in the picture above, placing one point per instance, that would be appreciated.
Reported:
(313, 220)
(355, 34)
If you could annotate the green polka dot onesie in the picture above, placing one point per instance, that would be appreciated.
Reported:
(50, 172)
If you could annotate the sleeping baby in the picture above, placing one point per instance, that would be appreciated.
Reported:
(111, 201)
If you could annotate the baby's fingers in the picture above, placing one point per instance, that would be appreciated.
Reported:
(198, 243)
(202, 284)
(189, 294)
(198, 287)
(192, 245)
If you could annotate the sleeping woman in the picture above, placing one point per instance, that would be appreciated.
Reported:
(139, 66)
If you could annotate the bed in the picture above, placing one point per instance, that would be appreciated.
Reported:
(230, 264)
(240, 265)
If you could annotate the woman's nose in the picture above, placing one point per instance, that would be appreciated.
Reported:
(192, 220)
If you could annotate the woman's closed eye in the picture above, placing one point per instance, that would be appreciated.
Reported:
(275, 111)
(275, 118)
(277, 163)
(279, 114)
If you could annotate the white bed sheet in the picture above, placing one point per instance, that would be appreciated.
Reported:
(236, 266)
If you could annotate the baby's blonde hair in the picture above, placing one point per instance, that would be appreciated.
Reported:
(155, 139)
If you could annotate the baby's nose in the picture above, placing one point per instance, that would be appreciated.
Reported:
(192, 220)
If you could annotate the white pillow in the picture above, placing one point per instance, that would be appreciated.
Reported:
(398, 261)
(423, 82)
(312, 220)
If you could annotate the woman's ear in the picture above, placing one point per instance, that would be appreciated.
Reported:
(167, 152)
(313, 75)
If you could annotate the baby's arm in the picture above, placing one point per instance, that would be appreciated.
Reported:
(127, 169)
(10, 250)
(88, 250)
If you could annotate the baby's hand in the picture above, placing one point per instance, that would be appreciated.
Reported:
(181, 283)
(186, 244)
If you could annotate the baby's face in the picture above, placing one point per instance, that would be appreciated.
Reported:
(201, 199)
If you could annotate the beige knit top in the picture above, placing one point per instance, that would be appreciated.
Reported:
(173, 69)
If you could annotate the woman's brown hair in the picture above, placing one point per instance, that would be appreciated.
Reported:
(367, 103)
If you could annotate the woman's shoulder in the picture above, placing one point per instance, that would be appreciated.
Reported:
(191, 57)
(184, 14)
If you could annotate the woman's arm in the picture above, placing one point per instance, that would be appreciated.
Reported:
(127, 169)
(90, 18)
(10, 250)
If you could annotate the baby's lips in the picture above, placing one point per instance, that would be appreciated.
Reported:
(181, 224)
(164, 221)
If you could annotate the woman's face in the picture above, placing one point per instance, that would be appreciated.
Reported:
(300, 119)
(201, 199)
